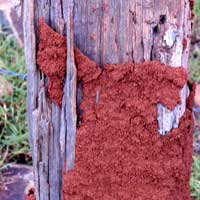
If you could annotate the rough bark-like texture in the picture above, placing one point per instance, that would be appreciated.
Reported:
(51, 127)
(70, 88)
(119, 152)
(44, 116)
(109, 31)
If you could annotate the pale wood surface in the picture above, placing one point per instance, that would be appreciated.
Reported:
(70, 88)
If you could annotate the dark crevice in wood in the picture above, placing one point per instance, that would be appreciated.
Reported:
(163, 19)
(49, 13)
(101, 33)
(133, 13)
(142, 45)
(61, 5)
(156, 29)
(132, 56)
(78, 102)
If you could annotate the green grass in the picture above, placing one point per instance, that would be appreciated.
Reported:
(13, 130)
(197, 7)
(195, 179)
(195, 65)
(195, 53)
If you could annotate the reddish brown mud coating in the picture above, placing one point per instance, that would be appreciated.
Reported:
(192, 3)
(119, 152)
(51, 58)
(31, 195)
(184, 42)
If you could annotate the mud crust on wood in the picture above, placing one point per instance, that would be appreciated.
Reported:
(108, 31)
(150, 30)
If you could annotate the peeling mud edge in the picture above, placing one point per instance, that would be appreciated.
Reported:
(51, 58)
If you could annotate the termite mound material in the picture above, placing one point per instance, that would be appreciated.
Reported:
(192, 3)
(51, 58)
(119, 152)
(31, 194)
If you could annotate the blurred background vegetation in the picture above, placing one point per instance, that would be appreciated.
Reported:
(14, 146)
(195, 48)
(13, 129)
(195, 76)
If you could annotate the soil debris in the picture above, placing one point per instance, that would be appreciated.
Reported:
(51, 58)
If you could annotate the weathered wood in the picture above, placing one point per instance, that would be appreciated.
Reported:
(44, 117)
(55, 163)
(32, 85)
(169, 49)
(30, 54)
(48, 123)
(71, 79)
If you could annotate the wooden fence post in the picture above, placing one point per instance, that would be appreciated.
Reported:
(107, 31)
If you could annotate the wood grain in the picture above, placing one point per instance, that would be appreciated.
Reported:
(71, 79)
(43, 116)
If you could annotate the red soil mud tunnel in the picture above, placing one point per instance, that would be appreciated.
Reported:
(119, 152)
